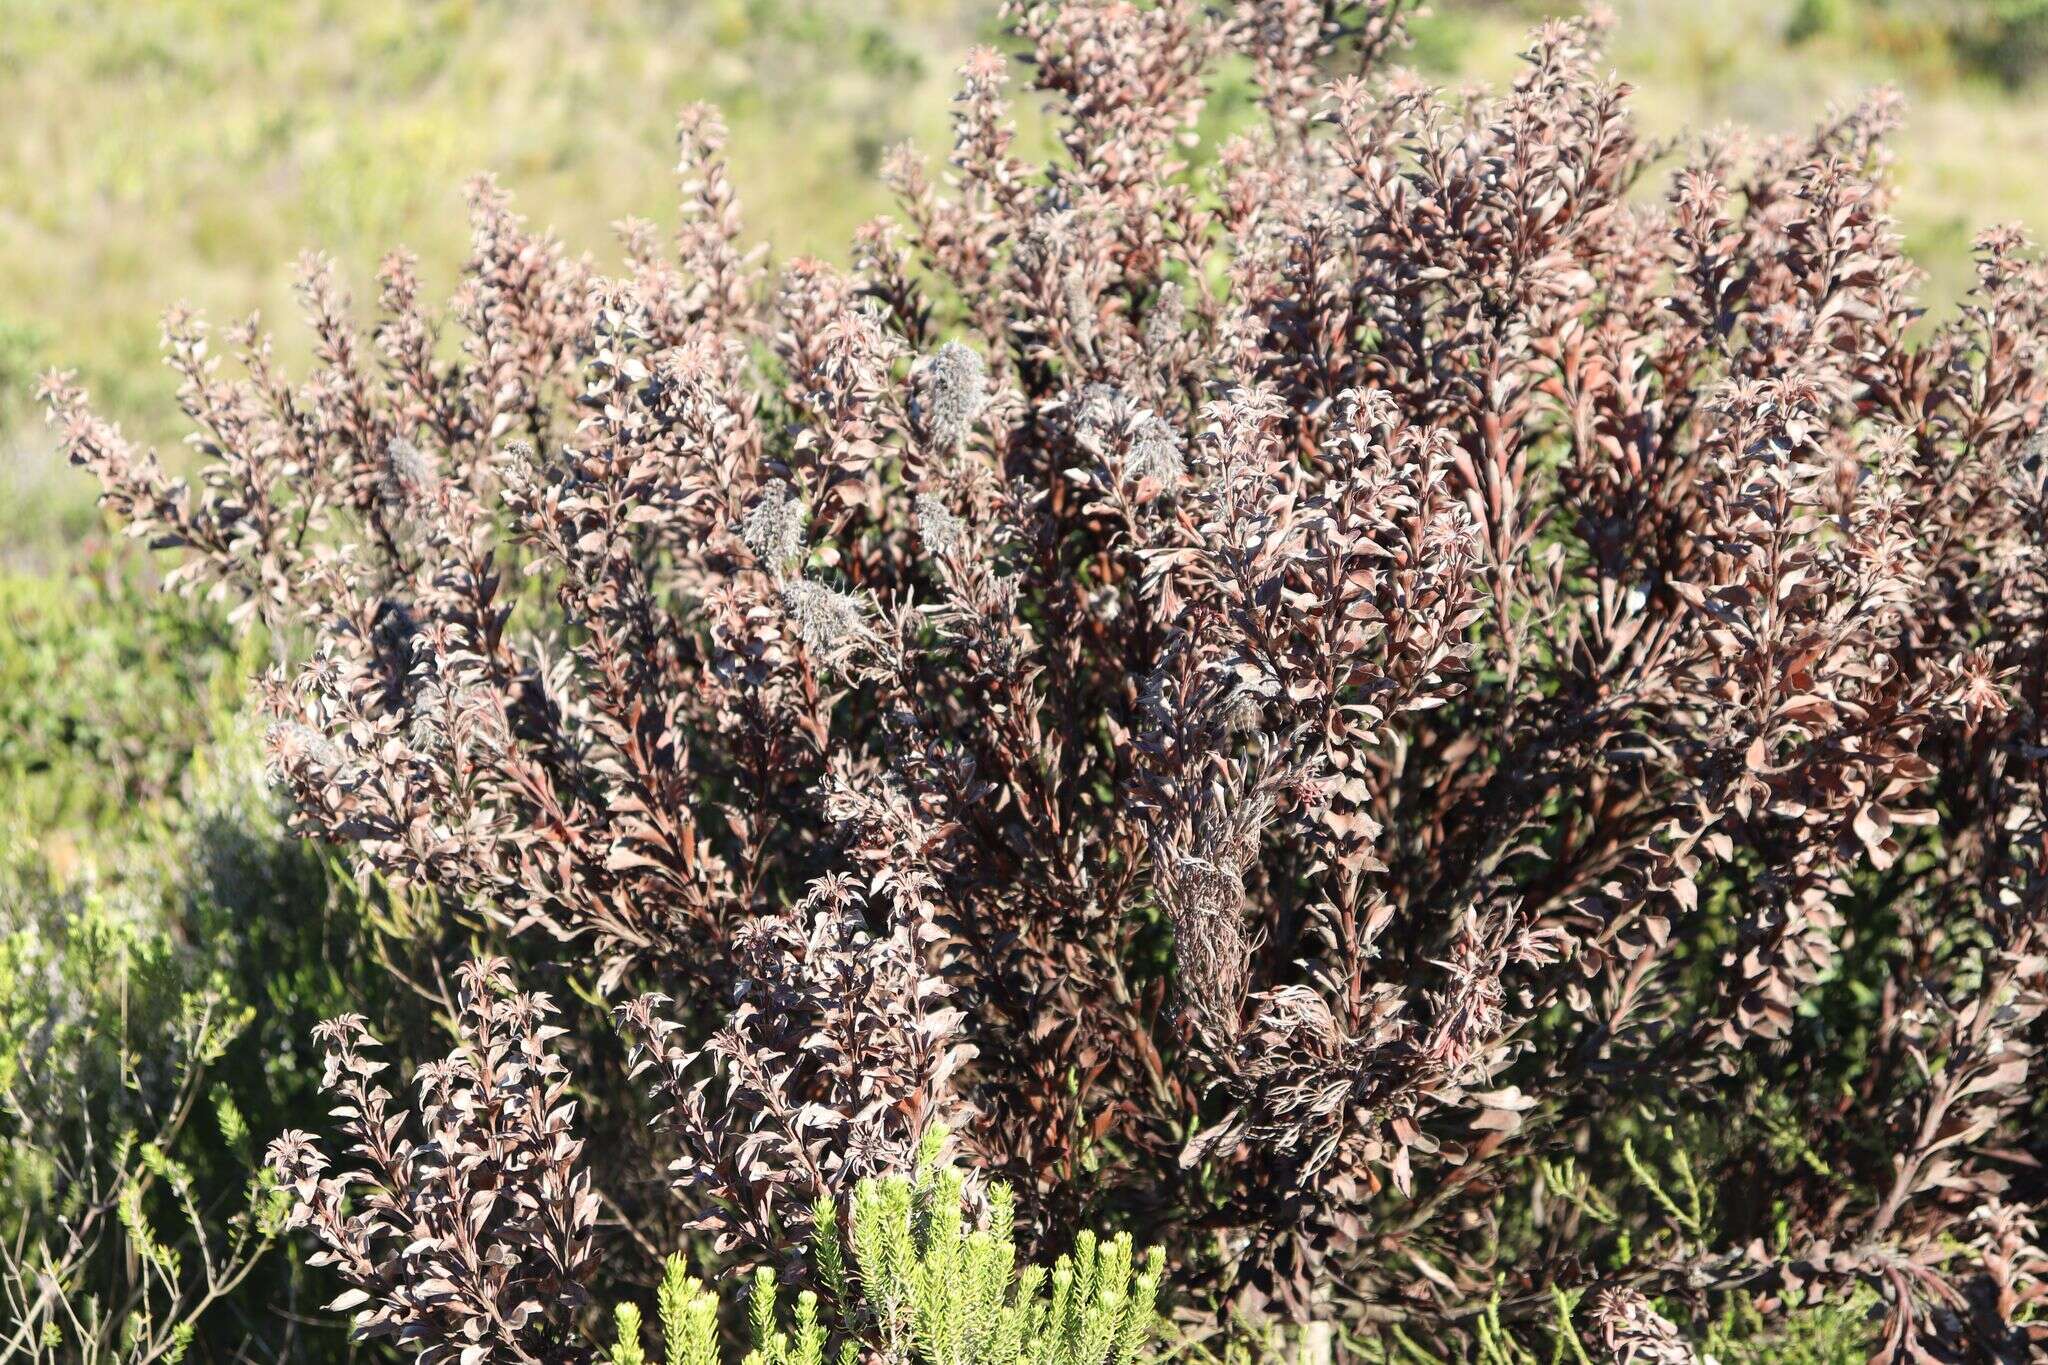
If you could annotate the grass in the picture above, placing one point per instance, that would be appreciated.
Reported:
(162, 150)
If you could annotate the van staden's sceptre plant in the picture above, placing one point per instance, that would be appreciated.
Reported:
(1452, 740)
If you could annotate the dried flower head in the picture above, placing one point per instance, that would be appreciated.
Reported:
(953, 393)
(774, 529)
(943, 532)
(826, 619)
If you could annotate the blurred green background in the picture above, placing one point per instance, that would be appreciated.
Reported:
(161, 150)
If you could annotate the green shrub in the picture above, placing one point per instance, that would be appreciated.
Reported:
(105, 695)
(157, 988)
(924, 1284)
(129, 1200)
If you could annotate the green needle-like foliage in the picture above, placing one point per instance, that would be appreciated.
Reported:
(933, 1281)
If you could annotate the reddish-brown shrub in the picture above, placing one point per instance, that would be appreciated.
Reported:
(1397, 681)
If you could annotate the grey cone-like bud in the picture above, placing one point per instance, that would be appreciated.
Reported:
(292, 739)
(942, 531)
(409, 473)
(1163, 323)
(1155, 454)
(825, 618)
(774, 529)
(955, 392)
(1080, 302)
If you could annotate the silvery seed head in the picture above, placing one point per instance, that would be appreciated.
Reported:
(774, 529)
(825, 618)
(955, 392)
(943, 532)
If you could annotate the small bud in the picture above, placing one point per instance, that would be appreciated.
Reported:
(774, 530)
(943, 532)
(825, 618)
(955, 392)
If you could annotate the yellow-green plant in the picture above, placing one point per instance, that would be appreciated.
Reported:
(932, 1280)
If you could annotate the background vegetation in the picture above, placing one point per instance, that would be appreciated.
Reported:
(161, 150)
